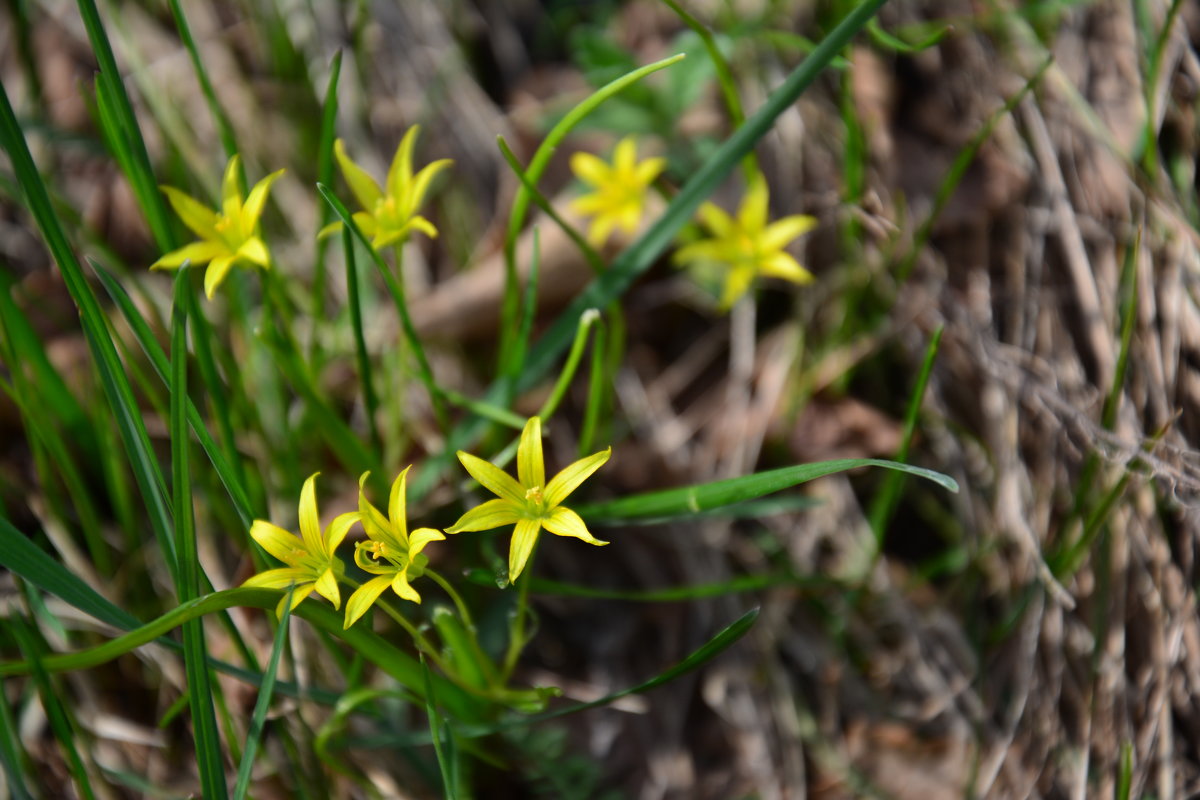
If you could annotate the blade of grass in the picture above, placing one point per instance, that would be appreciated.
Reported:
(675, 594)
(258, 720)
(116, 384)
(224, 128)
(131, 147)
(209, 758)
(645, 251)
(528, 308)
(445, 763)
(158, 360)
(735, 490)
(360, 342)
(13, 758)
(325, 175)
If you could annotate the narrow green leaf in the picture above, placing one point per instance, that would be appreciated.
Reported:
(674, 594)
(445, 764)
(735, 490)
(258, 720)
(12, 754)
(209, 758)
(224, 128)
(325, 175)
(370, 401)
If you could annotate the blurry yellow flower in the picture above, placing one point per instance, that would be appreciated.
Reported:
(389, 216)
(227, 236)
(620, 189)
(390, 553)
(747, 244)
(531, 503)
(310, 559)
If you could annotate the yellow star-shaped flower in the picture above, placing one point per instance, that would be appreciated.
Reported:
(228, 236)
(620, 189)
(310, 559)
(529, 502)
(747, 245)
(390, 553)
(389, 216)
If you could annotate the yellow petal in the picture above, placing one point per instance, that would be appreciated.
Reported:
(255, 250)
(362, 186)
(366, 223)
(231, 190)
(396, 508)
(310, 519)
(299, 594)
(374, 522)
(399, 177)
(218, 268)
(485, 516)
(600, 230)
(715, 219)
(327, 587)
(401, 587)
(625, 156)
(531, 469)
(257, 199)
(589, 204)
(492, 478)
(524, 538)
(737, 283)
(200, 219)
(752, 215)
(277, 578)
(329, 230)
(423, 225)
(275, 540)
(565, 522)
(568, 480)
(196, 252)
(780, 233)
(338, 529)
(590, 168)
(421, 537)
(648, 170)
(782, 265)
(364, 597)
(420, 184)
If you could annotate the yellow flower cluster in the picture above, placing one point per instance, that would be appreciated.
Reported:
(393, 554)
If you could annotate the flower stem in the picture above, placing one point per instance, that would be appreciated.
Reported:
(454, 595)
(516, 640)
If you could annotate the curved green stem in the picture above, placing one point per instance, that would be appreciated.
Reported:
(449, 589)
(516, 639)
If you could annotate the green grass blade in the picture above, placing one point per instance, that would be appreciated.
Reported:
(158, 360)
(445, 762)
(528, 308)
(224, 128)
(646, 250)
(57, 714)
(131, 147)
(259, 719)
(674, 594)
(13, 757)
(396, 289)
(209, 758)
(885, 502)
(325, 176)
(116, 384)
(735, 490)
(370, 401)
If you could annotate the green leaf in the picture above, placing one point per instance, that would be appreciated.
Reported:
(259, 719)
(735, 490)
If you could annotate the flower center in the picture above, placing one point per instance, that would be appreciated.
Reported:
(534, 495)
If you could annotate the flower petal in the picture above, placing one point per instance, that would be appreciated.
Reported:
(531, 468)
(396, 508)
(600, 229)
(330, 229)
(565, 522)
(421, 537)
(492, 478)
(327, 587)
(362, 186)
(568, 480)
(254, 249)
(419, 223)
(299, 594)
(277, 578)
(275, 540)
(374, 522)
(198, 217)
(399, 177)
(782, 265)
(752, 214)
(338, 529)
(716, 220)
(625, 156)
(214, 276)
(590, 168)
(196, 252)
(648, 170)
(524, 538)
(257, 199)
(401, 587)
(737, 283)
(781, 232)
(231, 189)
(364, 597)
(484, 517)
(420, 184)
(310, 520)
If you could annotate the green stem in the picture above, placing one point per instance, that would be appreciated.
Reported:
(516, 641)
(449, 589)
(360, 343)
(586, 321)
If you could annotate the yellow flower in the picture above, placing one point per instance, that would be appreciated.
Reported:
(227, 236)
(390, 553)
(310, 559)
(531, 503)
(748, 245)
(388, 217)
(620, 189)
